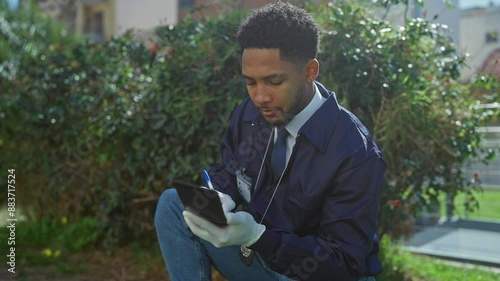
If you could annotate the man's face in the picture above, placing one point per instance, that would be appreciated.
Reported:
(277, 87)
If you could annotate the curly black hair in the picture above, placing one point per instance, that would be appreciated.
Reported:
(281, 26)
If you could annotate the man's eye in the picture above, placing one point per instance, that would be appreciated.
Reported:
(276, 83)
(249, 83)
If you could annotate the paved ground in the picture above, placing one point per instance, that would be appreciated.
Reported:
(471, 241)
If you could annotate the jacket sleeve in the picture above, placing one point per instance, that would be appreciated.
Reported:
(347, 227)
(223, 175)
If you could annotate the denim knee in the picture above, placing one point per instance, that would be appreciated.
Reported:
(169, 208)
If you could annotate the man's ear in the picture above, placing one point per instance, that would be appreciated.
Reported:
(311, 70)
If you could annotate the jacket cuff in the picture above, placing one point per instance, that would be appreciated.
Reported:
(268, 243)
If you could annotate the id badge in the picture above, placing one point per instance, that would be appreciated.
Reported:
(244, 184)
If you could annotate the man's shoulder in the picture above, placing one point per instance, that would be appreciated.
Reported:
(246, 110)
(351, 120)
(354, 135)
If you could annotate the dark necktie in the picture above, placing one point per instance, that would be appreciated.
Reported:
(278, 158)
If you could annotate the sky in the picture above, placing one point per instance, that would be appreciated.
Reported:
(13, 3)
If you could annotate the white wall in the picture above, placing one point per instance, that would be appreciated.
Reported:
(474, 26)
(438, 12)
(144, 15)
(445, 15)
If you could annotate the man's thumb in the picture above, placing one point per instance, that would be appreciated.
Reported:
(232, 218)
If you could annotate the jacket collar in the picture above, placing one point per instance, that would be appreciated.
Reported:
(319, 128)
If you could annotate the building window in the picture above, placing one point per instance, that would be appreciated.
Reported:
(186, 4)
(492, 37)
(94, 27)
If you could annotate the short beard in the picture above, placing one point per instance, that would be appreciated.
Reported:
(301, 101)
(295, 109)
(286, 118)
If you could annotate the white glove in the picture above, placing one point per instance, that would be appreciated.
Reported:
(241, 229)
(227, 202)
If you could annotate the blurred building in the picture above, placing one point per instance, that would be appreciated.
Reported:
(101, 19)
(473, 30)
(480, 28)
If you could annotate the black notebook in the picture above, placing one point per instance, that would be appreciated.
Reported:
(201, 201)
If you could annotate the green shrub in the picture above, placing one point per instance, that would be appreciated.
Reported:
(394, 261)
(51, 240)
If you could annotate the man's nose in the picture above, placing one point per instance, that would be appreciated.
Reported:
(262, 95)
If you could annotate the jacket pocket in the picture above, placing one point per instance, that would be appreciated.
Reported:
(305, 212)
(305, 202)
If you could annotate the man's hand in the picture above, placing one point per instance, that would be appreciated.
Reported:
(241, 229)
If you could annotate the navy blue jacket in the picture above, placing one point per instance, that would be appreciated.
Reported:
(322, 222)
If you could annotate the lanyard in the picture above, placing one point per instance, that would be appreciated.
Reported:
(246, 254)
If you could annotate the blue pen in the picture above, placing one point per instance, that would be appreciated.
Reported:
(207, 179)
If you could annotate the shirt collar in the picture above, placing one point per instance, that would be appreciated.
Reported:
(301, 118)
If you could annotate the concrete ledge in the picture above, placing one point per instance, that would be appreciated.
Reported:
(472, 241)
(484, 224)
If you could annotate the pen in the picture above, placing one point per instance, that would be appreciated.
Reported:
(207, 179)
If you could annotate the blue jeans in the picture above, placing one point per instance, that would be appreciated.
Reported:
(188, 257)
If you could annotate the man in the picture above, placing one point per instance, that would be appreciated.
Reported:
(305, 171)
